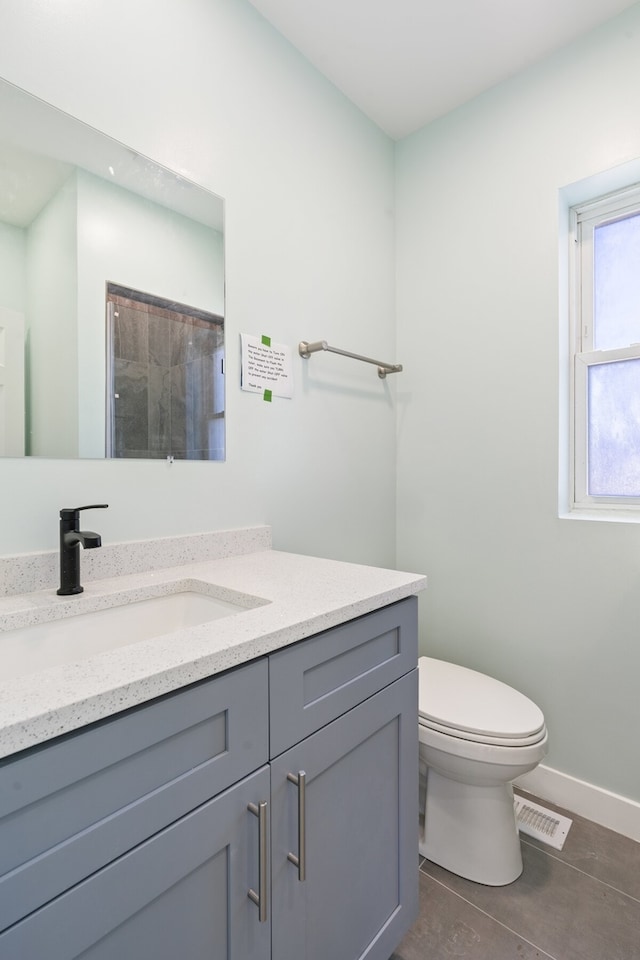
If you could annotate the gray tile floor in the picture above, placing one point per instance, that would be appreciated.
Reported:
(580, 903)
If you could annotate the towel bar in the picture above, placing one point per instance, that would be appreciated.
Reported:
(305, 350)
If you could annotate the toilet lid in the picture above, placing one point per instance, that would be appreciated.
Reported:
(459, 699)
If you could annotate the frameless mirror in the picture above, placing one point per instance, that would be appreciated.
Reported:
(111, 296)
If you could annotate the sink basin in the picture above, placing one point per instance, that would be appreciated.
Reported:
(30, 649)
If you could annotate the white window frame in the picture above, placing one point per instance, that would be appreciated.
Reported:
(584, 218)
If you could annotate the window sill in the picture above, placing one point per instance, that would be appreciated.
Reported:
(607, 514)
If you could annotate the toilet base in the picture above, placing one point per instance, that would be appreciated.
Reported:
(471, 830)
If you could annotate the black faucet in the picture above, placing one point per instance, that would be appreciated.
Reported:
(71, 538)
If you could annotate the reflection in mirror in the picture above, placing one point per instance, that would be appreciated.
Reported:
(164, 378)
(86, 224)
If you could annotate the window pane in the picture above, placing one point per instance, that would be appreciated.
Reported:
(614, 429)
(617, 284)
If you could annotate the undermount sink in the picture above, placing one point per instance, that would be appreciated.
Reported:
(29, 649)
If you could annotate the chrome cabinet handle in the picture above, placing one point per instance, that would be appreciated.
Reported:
(260, 898)
(300, 861)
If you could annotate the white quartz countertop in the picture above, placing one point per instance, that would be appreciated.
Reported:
(288, 597)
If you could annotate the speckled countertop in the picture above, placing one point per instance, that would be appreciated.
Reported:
(284, 597)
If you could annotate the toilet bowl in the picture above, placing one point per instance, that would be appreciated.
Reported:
(476, 736)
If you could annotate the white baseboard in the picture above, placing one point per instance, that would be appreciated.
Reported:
(603, 807)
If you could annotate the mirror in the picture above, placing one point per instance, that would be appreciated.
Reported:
(111, 296)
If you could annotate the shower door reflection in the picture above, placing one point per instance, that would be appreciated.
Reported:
(165, 378)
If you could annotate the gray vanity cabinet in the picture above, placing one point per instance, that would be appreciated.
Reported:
(140, 836)
(343, 852)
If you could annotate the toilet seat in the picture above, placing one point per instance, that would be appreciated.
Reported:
(483, 737)
(468, 705)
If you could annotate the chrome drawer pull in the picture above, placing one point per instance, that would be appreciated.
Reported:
(260, 898)
(300, 861)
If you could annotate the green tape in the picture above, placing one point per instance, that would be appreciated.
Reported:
(267, 396)
(266, 341)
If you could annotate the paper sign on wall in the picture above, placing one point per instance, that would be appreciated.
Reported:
(266, 367)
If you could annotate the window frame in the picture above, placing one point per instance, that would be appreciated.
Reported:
(584, 218)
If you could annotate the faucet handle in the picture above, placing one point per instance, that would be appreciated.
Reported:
(71, 513)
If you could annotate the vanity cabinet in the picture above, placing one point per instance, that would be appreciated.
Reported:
(344, 714)
(270, 811)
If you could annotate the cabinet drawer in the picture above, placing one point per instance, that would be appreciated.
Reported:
(74, 805)
(319, 679)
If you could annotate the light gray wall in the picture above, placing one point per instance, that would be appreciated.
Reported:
(550, 605)
(51, 315)
(211, 91)
(13, 274)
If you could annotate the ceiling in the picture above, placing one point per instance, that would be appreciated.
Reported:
(406, 62)
(27, 182)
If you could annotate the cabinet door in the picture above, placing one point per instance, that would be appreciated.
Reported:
(360, 894)
(182, 894)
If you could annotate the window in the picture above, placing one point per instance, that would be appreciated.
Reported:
(606, 352)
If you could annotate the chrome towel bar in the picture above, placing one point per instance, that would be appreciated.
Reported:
(305, 350)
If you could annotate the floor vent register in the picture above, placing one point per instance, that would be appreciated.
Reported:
(545, 825)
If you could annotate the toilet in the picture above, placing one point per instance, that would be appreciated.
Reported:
(476, 736)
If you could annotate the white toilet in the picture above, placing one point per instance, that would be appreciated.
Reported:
(476, 736)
